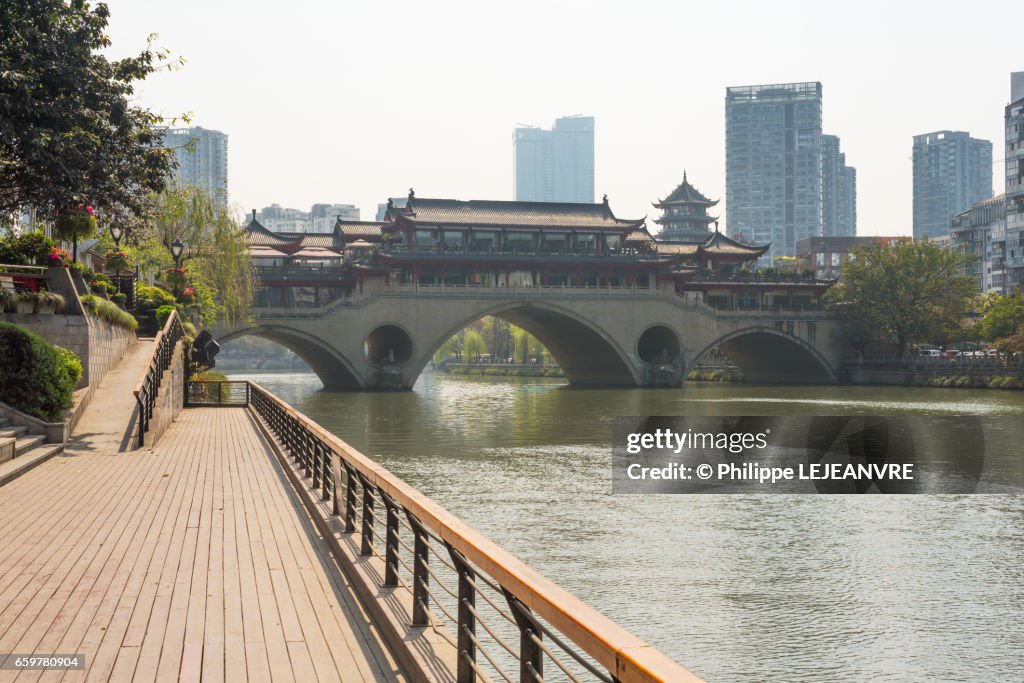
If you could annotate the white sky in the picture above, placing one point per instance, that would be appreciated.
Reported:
(355, 101)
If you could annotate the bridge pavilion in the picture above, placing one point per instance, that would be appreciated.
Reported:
(429, 241)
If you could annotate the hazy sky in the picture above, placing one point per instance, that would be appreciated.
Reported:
(355, 101)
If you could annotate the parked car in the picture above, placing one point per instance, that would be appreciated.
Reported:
(951, 354)
(931, 353)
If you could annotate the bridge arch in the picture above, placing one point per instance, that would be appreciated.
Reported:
(335, 371)
(770, 355)
(587, 354)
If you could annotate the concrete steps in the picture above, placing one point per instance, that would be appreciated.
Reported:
(21, 451)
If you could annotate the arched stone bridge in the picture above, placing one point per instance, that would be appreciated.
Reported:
(383, 337)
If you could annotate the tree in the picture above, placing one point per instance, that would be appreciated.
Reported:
(474, 345)
(901, 293)
(69, 135)
(216, 257)
(1001, 316)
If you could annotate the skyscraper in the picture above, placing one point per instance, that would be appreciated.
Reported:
(556, 165)
(773, 162)
(1014, 248)
(952, 171)
(202, 159)
(838, 191)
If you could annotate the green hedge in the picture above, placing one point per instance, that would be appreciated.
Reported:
(36, 377)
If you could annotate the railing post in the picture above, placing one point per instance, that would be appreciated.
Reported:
(465, 671)
(420, 575)
(327, 469)
(390, 541)
(366, 544)
(314, 456)
(335, 479)
(350, 500)
(531, 656)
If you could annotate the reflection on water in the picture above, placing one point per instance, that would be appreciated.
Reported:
(737, 588)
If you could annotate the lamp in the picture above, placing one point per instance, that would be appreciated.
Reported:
(177, 247)
(117, 232)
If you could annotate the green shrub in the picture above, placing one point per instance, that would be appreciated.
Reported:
(101, 279)
(162, 314)
(71, 363)
(36, 377)
(153, 297)
(1011, 383)
(31, 248)
(111, 312)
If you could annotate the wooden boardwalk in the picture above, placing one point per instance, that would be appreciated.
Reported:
(190, 561)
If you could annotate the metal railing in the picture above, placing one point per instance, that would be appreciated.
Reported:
(206, 393)
(493, 616)
(148, 387)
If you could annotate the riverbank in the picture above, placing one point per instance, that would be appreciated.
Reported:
(951, 378)
(501, 370)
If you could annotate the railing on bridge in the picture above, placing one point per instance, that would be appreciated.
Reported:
(499, 618)
(216, 393)
(160, 359)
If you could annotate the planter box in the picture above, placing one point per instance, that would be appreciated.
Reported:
(25, 307)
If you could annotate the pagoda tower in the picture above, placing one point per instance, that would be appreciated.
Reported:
(684, 216)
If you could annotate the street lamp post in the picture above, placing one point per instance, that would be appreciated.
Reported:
(177, 247)
(116, 232)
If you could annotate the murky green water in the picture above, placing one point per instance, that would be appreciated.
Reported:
(737, 588)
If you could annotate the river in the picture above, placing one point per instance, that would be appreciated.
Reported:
(735, 587)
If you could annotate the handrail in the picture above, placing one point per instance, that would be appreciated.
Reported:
(546, 614)
(159, 360)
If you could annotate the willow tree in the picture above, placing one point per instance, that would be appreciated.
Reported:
(902, 293)
(216, 258)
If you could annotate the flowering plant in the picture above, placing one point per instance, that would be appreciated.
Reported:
(57, 257)
(76, 222)
(116, 260)
(176, 276)
(188, 295)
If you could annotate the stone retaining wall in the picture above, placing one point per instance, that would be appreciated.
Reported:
(98, 344)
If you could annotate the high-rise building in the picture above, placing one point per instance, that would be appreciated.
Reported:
(1016, 86)
(322, 217)
(838, 191)
(202, 159)
(952, 171)
(555, 165)
(773, 162)
(1014, 248)
(981, 232)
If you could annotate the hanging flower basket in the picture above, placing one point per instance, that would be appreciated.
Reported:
(188, 296)
(75, 223)
(116, 260)
(177, 277)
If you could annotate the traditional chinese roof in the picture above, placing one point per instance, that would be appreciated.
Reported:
(718, 243)
(505, 214)
(263, 251)
(316, 253)
(257, 235)
(685, 193)
(638, 236)
(354, 230)
(679, 248)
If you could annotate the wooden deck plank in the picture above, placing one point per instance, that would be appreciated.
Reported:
(190, 561)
